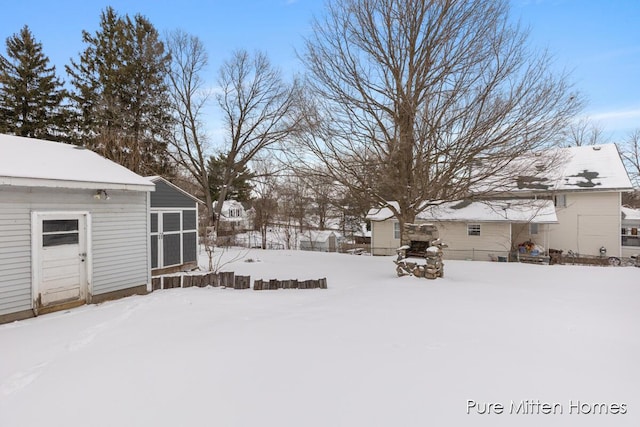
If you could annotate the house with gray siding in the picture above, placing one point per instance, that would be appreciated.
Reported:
(74, 228)
(174, 228)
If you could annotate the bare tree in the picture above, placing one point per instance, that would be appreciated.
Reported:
(631, 156)
(585, 132)
(265, 204)
(189, 96)
(259, 111)
(419, 101)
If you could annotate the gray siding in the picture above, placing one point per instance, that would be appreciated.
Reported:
(119, 239)
(15, 256)
(166, 196)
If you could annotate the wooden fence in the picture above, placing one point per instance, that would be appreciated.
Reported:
(223, 279)
(228, 279)
(263, 285)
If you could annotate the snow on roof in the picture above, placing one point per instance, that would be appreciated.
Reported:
(232, 211)
(511, 210)
(383, 213)
(514, 210)
(591, 167)
(630, 213)
(37, 163)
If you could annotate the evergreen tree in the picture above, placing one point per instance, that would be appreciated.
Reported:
(240, 188)
(31, 96)
(121, 97)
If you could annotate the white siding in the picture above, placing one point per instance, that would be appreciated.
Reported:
(589, 221)
(119, 239)
(382, 239)
(494, 240)
(120, 244)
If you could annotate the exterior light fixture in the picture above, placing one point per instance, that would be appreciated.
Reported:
(101, 195)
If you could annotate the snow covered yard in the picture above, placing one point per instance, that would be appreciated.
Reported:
(372, 350)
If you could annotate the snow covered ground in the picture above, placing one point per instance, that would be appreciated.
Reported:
(372, 350)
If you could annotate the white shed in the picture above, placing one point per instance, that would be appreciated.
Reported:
(319, 241)
(74, 228)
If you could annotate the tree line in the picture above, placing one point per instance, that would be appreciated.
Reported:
(410, 100)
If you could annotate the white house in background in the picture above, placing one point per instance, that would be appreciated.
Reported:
(319, 241)
(233, 217)
(630, 231)
(577, 209)
(74, 228)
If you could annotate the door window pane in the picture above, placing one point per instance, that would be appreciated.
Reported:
(56, 232)
(154, 222)
(170, 222)
(171, 249)
(59, 239)
(55, 225)
(154, 251)
(189, 220)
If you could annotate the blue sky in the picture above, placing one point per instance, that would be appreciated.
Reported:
(598, 41)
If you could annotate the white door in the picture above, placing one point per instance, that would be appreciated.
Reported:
(166, 238)
(62, 258)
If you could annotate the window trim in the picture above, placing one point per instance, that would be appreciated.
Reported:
(474, 229)
(396, 230)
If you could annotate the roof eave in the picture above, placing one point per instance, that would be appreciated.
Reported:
(86, 185)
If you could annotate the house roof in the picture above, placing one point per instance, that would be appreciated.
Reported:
(630, 213)
(584, 168)
(510, 210)
(157, 178)
(29, 162)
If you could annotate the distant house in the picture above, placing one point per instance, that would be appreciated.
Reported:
(174, 228)
(578, 209)
(233, 218)
(319, 241)
(73, 226)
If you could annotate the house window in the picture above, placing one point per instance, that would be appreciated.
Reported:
(560, 201)
(396, 230)
(473, 229)
(533, 229)
(234, 213)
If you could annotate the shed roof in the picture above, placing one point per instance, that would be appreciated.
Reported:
(29, 162)
(510, 210)
(157, 178)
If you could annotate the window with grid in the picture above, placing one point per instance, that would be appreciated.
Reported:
(473, 229)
